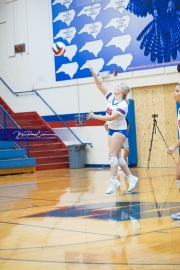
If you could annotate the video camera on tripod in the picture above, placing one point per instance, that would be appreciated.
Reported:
(154, 118)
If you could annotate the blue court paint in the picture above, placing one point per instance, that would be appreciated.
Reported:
(114, 211)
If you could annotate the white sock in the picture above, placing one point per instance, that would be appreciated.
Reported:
(129, 176)
(113, 178)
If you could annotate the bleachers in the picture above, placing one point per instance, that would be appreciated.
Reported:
(48, 154)
(14, 160)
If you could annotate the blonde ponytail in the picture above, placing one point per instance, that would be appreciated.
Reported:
(126, 89)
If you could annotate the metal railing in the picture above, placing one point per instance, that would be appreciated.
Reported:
(34, 91)
(6, 124)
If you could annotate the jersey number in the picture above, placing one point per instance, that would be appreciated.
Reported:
(109, 111)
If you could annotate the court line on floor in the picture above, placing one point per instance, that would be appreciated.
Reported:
(89, 263)
(75, 231)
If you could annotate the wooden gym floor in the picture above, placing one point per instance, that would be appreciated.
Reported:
(62, 219)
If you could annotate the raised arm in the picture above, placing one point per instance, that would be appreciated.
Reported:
(98, 83)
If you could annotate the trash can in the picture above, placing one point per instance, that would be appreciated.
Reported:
(76, 156)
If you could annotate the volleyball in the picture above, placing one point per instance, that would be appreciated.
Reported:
(59, 48)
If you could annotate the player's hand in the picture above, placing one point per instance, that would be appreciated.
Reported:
(90, 67)
(171, 149)
(90, 115)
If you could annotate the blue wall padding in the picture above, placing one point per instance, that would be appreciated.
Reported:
(132, 158)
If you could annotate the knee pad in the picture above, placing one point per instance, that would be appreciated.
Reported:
(121, 161)
(113, 161)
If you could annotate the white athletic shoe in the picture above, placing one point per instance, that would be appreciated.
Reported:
(176, 216)
(132, 182)
(112, 186)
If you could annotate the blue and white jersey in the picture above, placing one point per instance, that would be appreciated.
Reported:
(121, 107)
(178, 121)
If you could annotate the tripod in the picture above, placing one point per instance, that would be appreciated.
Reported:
(155, 126)
(159, 213)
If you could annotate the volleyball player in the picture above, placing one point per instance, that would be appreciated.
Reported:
(175, 146)
(116, 111)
